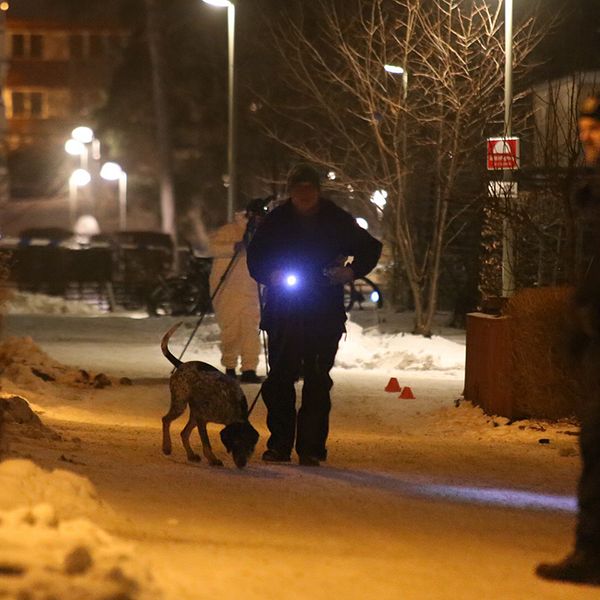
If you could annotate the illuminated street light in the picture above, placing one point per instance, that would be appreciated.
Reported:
(82, 134)
(112, 171)
(378, 198)
(397, 70)
(508, 233)
(74, 147)
(331, 175)
(79, 178)
(394, 69)
(231, 188)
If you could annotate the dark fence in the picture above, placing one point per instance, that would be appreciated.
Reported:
(125, 266)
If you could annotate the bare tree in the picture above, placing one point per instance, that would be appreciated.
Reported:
(557, 160)
(416, 136)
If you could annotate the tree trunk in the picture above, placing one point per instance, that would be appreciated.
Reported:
(163, 124)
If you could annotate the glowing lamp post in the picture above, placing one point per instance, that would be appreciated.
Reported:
(84, 135)
(231, 189)
(379, 199)
(79, 178)
(76, 148)
(508, 232)
(111, 171)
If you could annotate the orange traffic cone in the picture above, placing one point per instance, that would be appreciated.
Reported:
(407, 394)
(393, 385)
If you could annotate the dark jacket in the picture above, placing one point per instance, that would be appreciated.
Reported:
(587, 295)
(305, 246)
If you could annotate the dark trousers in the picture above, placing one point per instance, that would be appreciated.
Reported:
(294, 351)
(588, 518)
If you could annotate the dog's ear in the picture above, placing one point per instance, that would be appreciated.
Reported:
(226, 438)
(251, 434)
(238, 431)
(229, 434)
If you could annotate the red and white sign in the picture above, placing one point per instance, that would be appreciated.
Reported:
(503, 153)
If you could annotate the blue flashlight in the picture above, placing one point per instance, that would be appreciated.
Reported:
(291, 280)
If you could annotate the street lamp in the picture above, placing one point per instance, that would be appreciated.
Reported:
(111, 171)
(76, 148)
(231, 189)
(82, 134)
(379, 199)
(85, 135)
(508, 233)
(79, 178)
(397, 70)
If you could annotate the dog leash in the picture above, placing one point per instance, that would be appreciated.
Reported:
(255, 399)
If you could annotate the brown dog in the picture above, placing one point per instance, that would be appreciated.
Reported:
(213, 398)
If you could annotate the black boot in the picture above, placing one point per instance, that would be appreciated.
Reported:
(306, 460)
(578, 567)
(250, 377)
(274, 456)
(231, 373)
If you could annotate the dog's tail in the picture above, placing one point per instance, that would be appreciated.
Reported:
(164, 346)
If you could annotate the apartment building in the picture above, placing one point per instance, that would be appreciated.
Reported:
(58, 74)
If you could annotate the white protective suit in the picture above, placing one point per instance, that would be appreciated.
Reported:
(236, 304)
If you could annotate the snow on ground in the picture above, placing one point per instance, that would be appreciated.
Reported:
(424, 498)
(401, 351)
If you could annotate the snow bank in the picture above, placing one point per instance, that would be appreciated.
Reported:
(22, 303)
(23, 482)
(24, 363)
(19, 420)
(469, 421)
(43, 557)
(47, 553)
(370, 349)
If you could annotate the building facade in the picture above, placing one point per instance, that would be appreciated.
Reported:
(58, 73)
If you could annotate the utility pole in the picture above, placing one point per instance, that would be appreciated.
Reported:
(508, 232)
(4, 186)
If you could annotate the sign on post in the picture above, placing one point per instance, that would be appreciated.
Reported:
(503, 153)
(503, 189)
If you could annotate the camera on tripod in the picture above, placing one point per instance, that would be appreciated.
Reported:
(256, 209)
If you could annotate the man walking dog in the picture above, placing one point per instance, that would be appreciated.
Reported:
(583, 564)
(298, 253)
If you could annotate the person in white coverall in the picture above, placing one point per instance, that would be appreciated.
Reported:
(236, 303)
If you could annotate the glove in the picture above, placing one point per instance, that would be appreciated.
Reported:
(339, 275)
